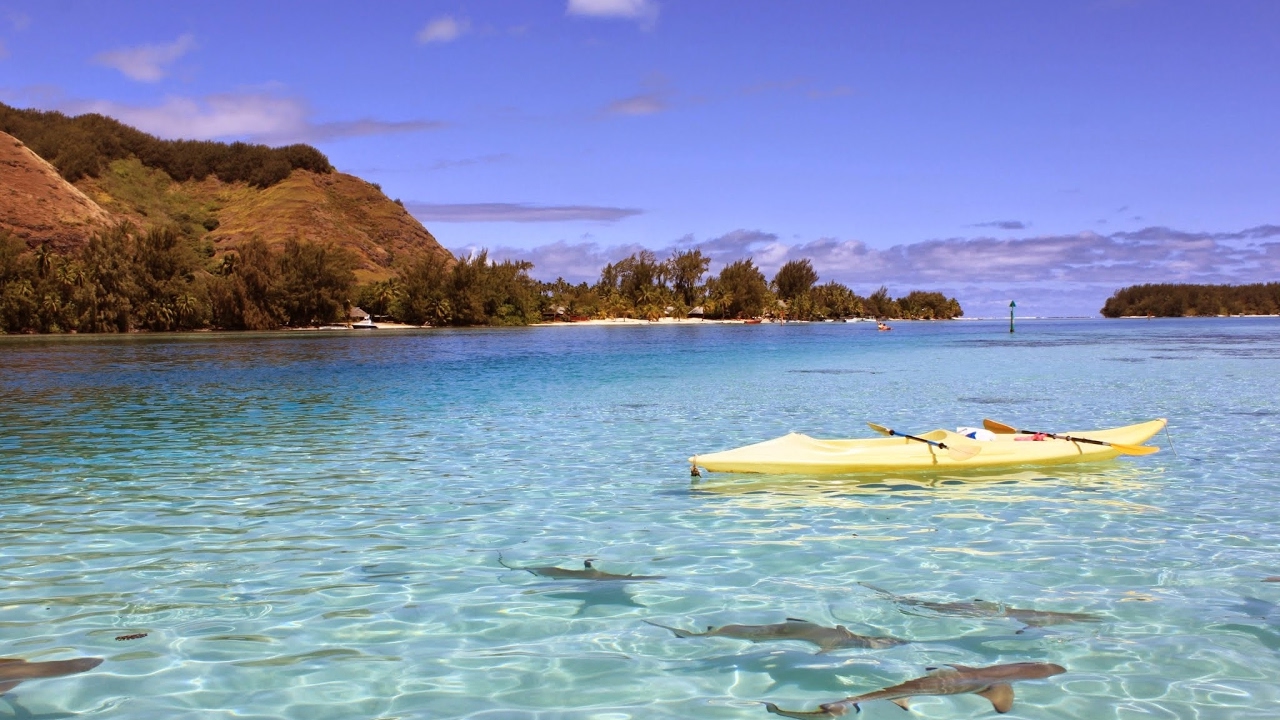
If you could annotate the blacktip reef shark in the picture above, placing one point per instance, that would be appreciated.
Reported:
(588, 572)
(14, 670)
(986, 608)
(826, 638)
(990, 682)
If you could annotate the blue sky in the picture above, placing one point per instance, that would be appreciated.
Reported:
(1046, 152)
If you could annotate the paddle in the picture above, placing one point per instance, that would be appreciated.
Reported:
(1123, 449)
(955, 453)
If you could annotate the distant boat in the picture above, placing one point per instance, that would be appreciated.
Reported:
(365, 324)
(753, 321)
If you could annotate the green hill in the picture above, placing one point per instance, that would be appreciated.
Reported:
(218, 195)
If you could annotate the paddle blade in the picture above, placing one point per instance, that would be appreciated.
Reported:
(998, 427)
(1135, 449)
(880, 428)
(962, 453)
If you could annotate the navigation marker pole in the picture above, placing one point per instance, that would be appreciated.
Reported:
(1012, 305)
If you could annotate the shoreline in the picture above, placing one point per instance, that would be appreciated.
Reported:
(611, 322)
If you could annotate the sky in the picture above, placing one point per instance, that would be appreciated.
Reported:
(995, 150)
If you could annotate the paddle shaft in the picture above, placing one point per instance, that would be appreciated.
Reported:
(941, 446)
(1069, 438)
(955, 453)
(1000, 427)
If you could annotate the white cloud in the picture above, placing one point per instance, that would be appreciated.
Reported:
(643, 11)
(1048, 275)
(643, 104)
(443, 29)
(255, 116)
(19, 21)
(575, 262)
(147, 63)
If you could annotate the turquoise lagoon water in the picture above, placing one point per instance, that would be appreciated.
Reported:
(307, 525)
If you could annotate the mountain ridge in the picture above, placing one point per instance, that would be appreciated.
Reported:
(231, 192)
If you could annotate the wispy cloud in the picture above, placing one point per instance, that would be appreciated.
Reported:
(1061, 274)
(253, 116)
(147, 63)
(643, 11)
(468, 162)
(515, 212)
(648, 103)
(18, 21)
(443, 29)
(1002, 225)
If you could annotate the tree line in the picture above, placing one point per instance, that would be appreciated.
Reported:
(125, 279)
(642, 286)
(84, 145)
(1184, 300)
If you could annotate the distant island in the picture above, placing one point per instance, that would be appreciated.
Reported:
(104, 228)
(1182, 300)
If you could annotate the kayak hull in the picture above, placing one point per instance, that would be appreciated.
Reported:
(798, 453)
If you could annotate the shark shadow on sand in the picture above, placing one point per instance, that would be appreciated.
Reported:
(985, 608)
(601, 589)
(587, 572)
(826, 638)
(992, 683)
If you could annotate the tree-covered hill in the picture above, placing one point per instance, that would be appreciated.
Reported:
(1181, 300)
(85, 145)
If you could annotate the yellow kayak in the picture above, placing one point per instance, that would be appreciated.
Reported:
(798, 453)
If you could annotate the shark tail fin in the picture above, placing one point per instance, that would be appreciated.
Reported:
(880, 590)
(824, 711)
(678, 632)
(1000, 695)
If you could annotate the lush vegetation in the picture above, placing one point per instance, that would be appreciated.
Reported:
(1173, 300)
(124, 279)
(162, 279)
(641, 286)
(85, 145)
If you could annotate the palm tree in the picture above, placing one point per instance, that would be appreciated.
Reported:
(44, 260)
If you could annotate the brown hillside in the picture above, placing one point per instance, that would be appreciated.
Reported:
(37, 205)
(333, 207)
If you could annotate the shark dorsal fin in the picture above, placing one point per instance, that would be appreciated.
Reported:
(586, 564)
(806, 622)
(1000, 695)
(904, 703)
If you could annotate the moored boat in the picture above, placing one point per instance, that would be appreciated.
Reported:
(799, 453)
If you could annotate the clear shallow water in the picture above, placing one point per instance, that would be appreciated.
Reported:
(307, 525)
